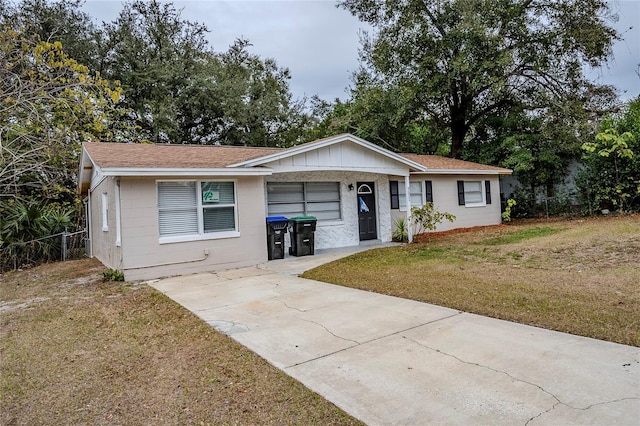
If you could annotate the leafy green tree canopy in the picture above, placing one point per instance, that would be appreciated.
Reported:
(611, 178)
(465, 60)
(49, 105)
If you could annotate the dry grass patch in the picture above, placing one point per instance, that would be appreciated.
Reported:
(76, 350)
(577, 276)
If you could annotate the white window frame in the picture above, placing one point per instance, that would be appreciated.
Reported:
(402, 195)
(482, 203)
(105, 212)
(201, 235)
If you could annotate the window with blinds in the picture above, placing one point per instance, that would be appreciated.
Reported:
(218, 206)
(415, 189)
(290, 199)
(195, 208)
(473, 192)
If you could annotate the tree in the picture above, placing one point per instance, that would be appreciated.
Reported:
(253, 97)
(62, 21)
(611, 178)
(465, 60)
(49, 105)
(155, 54)
(180, 91)
(387, 116)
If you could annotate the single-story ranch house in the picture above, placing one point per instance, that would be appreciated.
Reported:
(161, 210)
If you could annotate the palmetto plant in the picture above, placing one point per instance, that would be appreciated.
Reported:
(400, 231)
(27, 232)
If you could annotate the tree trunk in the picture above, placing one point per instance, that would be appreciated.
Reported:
(458, 126)
(458, 133)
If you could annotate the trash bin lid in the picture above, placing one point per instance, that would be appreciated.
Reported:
(303, 219)
(276, 219)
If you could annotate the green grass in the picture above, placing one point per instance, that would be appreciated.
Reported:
(572, 276)
(77, 350)
(520, 235)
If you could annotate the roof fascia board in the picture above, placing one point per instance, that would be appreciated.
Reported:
(380, 171)
(96, 179)
(462, 172)
(225, 171)
(85, 162)
(326, 142)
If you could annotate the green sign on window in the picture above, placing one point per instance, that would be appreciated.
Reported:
(210, 196)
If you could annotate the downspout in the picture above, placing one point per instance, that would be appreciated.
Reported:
(87, 212)
(118, 227)
(407, 192)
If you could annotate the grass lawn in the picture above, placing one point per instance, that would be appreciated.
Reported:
(76, 350)
(578, 276)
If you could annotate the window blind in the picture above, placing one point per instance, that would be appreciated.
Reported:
(290, 199)
(177, 208)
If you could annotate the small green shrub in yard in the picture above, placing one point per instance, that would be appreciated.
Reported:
(400, 232)
(506, 214)
(427, 217)
(112, 275)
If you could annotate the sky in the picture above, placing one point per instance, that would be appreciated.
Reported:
(319, 43)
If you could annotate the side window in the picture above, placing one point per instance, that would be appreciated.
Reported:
(429, 191)
(487, 190)
(105, 212)
(474, 193)
(395, 199)
(415, 195)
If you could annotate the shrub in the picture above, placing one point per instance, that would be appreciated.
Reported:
(427, 218)
(506, 214)
(400, 232)
(112, 275)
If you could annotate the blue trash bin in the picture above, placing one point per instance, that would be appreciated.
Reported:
(276, 230)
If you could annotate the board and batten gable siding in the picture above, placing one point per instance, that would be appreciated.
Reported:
(140, 231)
(342, 156)
(344, 232)
(103, 243)
(445, 199)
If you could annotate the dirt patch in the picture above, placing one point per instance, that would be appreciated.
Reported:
(421, 238)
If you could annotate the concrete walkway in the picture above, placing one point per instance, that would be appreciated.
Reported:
(391, 361)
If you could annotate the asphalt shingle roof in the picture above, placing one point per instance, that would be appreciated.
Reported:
(445, 163)
(151, 156)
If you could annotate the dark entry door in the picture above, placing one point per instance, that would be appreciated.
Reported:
(367, 211)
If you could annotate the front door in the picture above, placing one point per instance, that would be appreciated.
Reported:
(367, 211)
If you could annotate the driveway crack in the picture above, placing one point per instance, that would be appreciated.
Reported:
(291, 307)
(395, 333)
(558, 401)
(331, 332)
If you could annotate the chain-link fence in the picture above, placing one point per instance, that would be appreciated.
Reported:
(62, 246)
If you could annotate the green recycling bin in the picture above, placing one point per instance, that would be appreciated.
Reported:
(302, 233)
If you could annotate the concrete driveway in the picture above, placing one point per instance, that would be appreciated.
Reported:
(391, 361)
